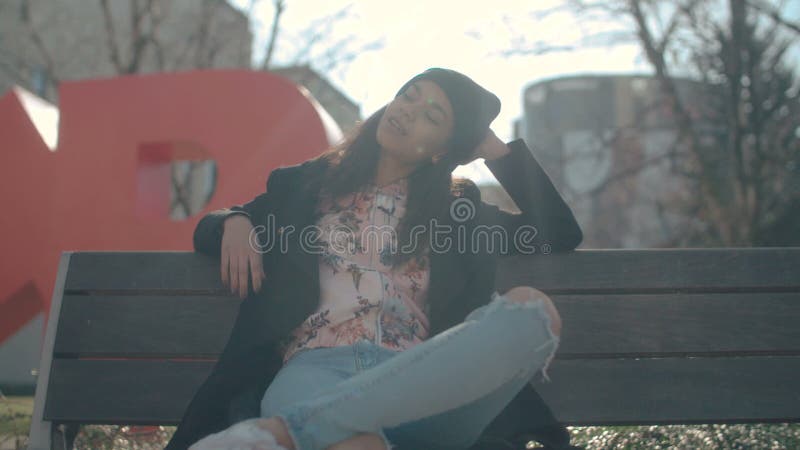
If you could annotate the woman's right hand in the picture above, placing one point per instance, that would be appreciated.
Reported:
(238, 257)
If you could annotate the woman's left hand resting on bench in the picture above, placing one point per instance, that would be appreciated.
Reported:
(238, 258)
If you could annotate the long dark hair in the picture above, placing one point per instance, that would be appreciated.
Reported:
(352, 164)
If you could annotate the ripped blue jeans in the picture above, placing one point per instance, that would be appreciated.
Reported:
(438, 395)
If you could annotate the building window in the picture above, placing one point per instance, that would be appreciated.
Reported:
(174, 180)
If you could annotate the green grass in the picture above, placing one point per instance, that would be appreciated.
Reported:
(15, 413)
(15, 421)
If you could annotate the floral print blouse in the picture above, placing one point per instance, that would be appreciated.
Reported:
(361, 294)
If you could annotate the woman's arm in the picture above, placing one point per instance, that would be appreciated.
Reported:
(208, 232)
(541, 206)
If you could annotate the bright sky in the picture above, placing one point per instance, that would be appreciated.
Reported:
(418, 34)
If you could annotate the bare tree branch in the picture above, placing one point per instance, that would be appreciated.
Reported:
(111, 36)
(733, 146)
(280, 6)
(140, 38)
(773, 14)
(38, 43)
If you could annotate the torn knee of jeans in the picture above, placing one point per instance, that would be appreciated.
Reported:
(524, 294)
(553, 324)
(522, 298)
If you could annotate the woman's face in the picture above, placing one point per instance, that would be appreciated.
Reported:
(417, 124)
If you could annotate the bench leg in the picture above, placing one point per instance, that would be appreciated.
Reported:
(50, 436)
(63, 436)
(42, 432)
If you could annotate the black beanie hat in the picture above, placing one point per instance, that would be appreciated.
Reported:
(474, 108)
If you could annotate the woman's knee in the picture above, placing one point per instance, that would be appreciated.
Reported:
(530, 294)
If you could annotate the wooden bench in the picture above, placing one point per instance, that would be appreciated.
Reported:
(655, 336)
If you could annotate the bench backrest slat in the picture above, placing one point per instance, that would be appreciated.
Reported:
(172, 273)
(660, 325)
(162, 326)
(145, 392)
(674, 390)
(656, 270)
(598, 325)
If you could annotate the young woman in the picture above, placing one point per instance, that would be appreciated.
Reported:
(380, 328)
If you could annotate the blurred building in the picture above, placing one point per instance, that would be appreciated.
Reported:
(607, 142)
(44, 41)
(342, 109)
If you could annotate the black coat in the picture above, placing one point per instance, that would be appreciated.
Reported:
(459, 283)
